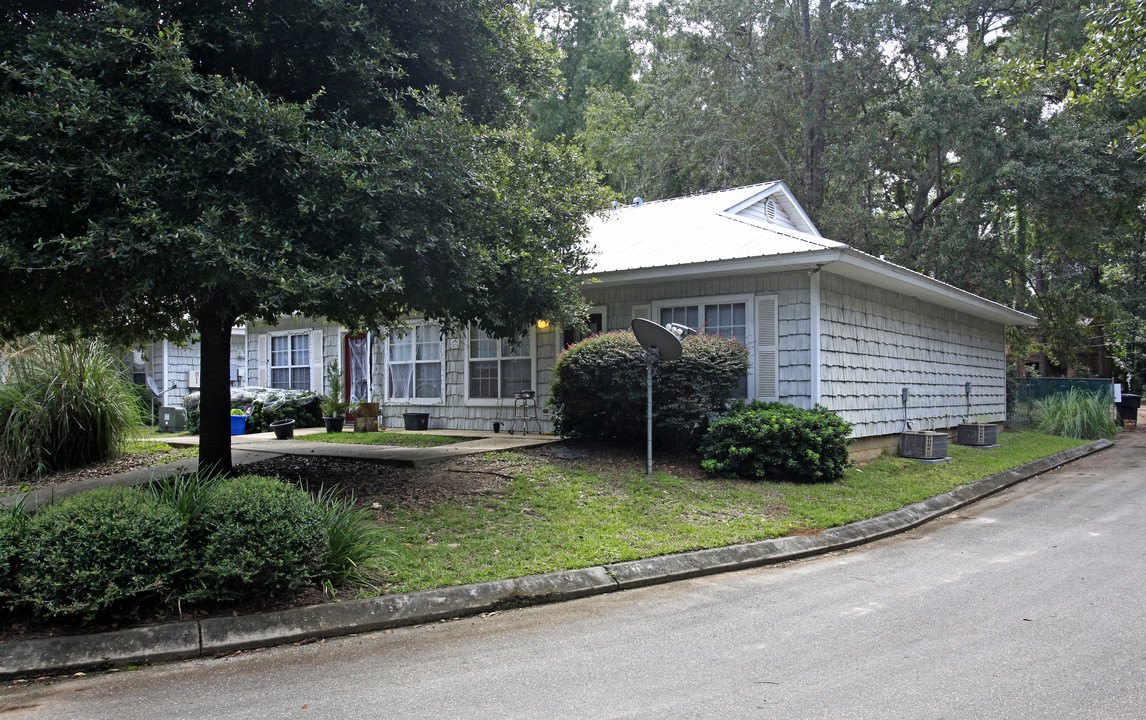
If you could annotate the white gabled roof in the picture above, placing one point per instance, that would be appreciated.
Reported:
(699, 229)
(725, 232)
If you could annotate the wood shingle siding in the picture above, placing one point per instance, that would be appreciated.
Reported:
(875, 343)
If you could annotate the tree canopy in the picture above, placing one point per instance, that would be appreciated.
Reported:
(884, 118)
(168, 169)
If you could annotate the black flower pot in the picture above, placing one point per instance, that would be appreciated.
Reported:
(333, 424)
(284, 429)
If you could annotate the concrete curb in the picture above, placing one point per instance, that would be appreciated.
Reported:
(204, 638)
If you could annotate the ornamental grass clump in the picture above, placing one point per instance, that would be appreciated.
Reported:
(63, 404)
(774, 441)
(1077, 414)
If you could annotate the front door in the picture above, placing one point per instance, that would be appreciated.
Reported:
(357, 364)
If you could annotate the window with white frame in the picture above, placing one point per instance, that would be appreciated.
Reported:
(414, 364)
(727, 319)
(498, 368)
(290, 361)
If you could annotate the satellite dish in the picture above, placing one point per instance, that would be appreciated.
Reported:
(152, 386)
(653, 336)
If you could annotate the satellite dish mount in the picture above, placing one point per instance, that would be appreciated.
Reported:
(659, 343)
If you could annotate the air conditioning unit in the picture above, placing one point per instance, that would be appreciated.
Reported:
(923, 445)
(980, 434)
(172, 419)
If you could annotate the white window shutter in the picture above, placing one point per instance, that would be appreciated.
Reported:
(767, 355)
(264, 359)
(316, 362)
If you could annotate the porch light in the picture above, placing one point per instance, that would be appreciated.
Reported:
(542, 324)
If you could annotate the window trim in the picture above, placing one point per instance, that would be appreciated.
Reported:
(750, 322)
(499, 401)
(270, 359)
(411, 326)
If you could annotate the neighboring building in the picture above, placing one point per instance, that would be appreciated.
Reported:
(175, 368)
(824, 323)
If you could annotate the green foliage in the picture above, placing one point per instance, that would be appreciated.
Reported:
(1077, 414)
(264, 406)
(353, 539)
(303, 408)
(333, 404)
(12, 529)
(105, 551)
(167, 170)
(775, 441)
(599, 388)
(63, 404)
(253, 537)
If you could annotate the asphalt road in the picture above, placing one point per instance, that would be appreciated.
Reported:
(1031, 604)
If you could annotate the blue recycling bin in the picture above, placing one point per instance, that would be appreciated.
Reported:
(238, 424)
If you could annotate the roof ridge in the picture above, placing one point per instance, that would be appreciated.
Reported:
(701, 193)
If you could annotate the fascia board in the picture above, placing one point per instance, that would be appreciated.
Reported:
(881, 273)
(739, 266)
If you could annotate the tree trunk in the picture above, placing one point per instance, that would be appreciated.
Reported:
(215, 390)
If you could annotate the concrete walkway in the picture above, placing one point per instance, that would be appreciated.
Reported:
(261, 446)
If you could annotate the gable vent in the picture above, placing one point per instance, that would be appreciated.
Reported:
(770, 210)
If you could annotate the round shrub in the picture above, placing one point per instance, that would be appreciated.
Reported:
(777, 442)
(11, 531)
(255, 536)
(107, 550)
(599, 388)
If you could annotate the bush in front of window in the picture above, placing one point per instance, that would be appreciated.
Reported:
(599, 391)
(263, 407)
(774, 441)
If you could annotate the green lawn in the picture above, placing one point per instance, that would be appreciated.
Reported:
(383, 438)
(556, 516)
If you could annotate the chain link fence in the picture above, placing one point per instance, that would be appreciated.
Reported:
(1023, 394)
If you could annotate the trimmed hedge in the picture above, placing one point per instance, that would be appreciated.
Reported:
(123, 551)
(599, 388)
(12, 524)
(775, 441)
(100, 552)
(255, 536)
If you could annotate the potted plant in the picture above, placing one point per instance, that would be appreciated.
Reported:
(333, 405)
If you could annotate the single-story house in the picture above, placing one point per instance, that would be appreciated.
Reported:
(824, 323)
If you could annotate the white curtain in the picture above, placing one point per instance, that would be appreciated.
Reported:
(359, 372)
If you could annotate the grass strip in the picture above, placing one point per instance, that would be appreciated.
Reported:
(555, 516)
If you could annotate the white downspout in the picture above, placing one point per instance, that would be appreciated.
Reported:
(814, 303)
(166, 379)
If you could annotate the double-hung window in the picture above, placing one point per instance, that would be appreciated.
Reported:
(726, 319)
(290, 361)
(498, 368)
(414, 368)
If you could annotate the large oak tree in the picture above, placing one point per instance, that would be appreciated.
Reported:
(169, 169)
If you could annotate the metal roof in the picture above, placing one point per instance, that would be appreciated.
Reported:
(698, 236)
(695, 229)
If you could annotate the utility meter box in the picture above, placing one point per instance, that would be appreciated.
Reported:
(172, 419)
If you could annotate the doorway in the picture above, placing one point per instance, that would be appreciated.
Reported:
(356, 359)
